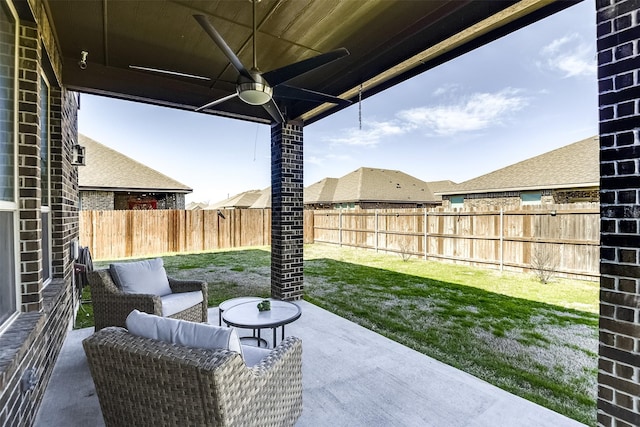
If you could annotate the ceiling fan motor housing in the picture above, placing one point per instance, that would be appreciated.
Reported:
(256, 91)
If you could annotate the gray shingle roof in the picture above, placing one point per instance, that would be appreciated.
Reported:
(239, 201)
(370, 185)
(572, 166)
(321, 191)
(264, 201)
(107, 169)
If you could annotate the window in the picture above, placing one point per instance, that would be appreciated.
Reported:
(8, 206)
(44, 180)
(531, 198)
(7, 104)
(457, 202)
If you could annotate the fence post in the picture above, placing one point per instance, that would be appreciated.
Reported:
(501, 239)
(376, 229)
(340, 227)
(426, 233)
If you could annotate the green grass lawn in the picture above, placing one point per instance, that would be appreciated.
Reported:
(536, 340)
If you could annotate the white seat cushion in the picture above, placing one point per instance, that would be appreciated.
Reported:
(175, 303)
(183, 332)
(141, 277)
(253, 355)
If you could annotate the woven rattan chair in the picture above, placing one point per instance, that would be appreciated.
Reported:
(140, 381)
(111, 306)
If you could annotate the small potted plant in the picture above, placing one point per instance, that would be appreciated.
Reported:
(264, 305)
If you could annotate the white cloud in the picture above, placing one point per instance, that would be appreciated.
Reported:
(570, 55)
(371, 134)
(314, 160)
(478, 111)
(448, 88)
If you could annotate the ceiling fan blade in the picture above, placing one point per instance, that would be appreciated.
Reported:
(169, 72)
(291, 92)
(272, 108)
(217, 101)
(288, 72)
(222, 44)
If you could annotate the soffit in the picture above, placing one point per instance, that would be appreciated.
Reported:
(389, 41)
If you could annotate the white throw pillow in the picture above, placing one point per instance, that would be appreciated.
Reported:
(141, 277)
(183, 332)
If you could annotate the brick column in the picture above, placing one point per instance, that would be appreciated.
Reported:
(29, 169)
(64, 180)
(287, 215)
(618, 78)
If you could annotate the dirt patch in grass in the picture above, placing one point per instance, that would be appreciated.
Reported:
(230, 282)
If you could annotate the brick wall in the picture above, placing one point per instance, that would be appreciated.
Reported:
(287, 211)
(33, 341)
(513, 200)
(618, 31)
(29, 168)
(97, 200)
(108, 200)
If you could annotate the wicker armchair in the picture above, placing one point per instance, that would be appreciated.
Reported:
(111, 306)
(140, 381)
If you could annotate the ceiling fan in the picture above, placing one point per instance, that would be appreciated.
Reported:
(257, 88)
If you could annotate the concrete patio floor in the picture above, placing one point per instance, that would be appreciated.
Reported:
(351, 377)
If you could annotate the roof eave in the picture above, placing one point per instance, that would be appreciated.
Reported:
(528, 188)
(134, 189)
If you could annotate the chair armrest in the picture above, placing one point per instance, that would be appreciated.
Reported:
(186, 285)
(274, 391)
(287, 355)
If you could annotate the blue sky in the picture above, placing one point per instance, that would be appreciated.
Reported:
(528, 93)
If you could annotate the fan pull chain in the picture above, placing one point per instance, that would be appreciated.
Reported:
(360, 106)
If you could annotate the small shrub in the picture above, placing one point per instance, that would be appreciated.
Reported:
(544, 263)
(405, 251)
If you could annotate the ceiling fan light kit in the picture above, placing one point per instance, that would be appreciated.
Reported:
(255, 92)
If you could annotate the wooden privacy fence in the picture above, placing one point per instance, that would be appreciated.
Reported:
(560, 238)
(139, 233)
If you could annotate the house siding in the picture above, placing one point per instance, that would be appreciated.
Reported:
(97, 200)
(109, 200)
(619, 99)
(513, 199)
(32, 342)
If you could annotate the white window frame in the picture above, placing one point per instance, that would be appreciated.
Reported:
(12, 206)
(47, 208)
(530, 202)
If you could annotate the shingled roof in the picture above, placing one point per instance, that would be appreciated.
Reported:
(264, 201)
(108, 170)
(370, 185)
(239, 201)
(572, 166)
(321, 191)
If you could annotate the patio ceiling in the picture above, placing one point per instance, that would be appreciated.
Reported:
(389, 41)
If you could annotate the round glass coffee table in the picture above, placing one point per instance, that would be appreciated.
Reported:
(246, 315)
(226, 305)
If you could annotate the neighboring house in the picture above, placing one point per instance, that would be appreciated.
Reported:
(112, 181)
(570, 174)
(370, 188)
(239, 201)
(196, 206)
(264, 201)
